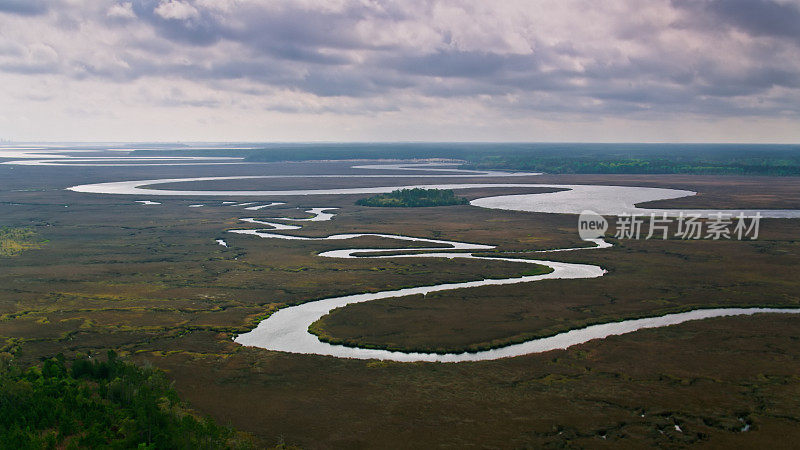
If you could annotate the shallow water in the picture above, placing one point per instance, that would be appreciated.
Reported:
(318, 215)
(287, 329)
(259, 207)
(127, 161)
(284, 334)
(612, 201)
(572, 199)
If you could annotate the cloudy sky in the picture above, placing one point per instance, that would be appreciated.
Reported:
(406, 70)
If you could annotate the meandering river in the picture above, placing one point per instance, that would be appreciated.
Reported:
(287, 329)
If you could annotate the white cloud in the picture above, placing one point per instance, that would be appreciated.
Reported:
(177, 10)
(122, 11)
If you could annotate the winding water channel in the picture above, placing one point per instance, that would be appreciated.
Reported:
(287, 329)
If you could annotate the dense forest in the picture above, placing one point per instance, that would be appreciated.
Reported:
(414, 198)
(99, 404)
(710, 159)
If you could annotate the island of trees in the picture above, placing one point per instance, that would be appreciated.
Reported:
(414, 198)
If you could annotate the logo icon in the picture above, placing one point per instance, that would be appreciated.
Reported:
(591, 225)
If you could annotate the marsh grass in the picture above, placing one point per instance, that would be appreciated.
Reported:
(14, 241)
(153, 284)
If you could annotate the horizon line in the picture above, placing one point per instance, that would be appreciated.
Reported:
(366, 142)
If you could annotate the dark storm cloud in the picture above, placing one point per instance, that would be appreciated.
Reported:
(756, 17)
(371, 52)
(333, 82)
(23, 7)
(303, 28)
(462, 64)
(287, 33)
(29, 68)
(751, 82)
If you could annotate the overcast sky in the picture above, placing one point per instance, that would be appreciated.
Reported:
(406, 70)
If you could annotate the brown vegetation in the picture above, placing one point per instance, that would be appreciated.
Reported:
(151, 283)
